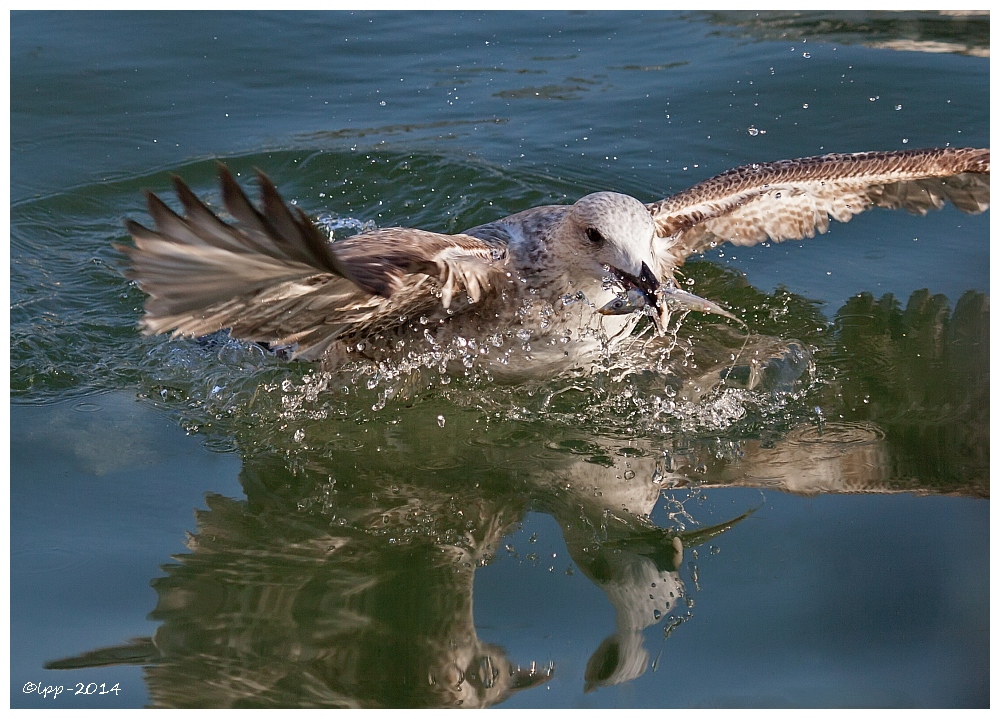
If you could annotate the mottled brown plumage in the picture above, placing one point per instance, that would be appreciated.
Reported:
(793, 199)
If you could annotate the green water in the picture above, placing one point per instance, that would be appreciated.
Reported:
(203, 524)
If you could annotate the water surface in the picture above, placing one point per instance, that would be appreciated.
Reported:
(204, 524)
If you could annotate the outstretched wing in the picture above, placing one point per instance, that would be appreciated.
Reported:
(274, 277)
(792, 199)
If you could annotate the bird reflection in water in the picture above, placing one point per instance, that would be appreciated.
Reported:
(359, 592)
(342, 581)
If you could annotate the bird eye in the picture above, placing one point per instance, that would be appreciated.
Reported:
(594, 236)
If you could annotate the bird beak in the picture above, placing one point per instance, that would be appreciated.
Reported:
(642, 293)
(646, 283)
(649, 285)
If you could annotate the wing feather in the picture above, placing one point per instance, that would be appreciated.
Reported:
(793, 199)
(274, 277)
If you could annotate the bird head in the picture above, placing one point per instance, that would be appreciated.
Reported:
(612, 234)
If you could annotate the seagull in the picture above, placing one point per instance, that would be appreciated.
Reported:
(586, 272)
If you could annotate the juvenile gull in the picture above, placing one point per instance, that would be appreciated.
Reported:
(596, 265)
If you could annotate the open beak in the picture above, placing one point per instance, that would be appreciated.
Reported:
(640, 292)
(647, 283)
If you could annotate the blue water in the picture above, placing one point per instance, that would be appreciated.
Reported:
(159, 493)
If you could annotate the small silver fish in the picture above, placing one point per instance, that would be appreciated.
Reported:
(677, 299)
(669, 299)
(634, 299)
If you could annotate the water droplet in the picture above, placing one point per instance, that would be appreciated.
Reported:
(805, 105)
(753, 131)
(629, 474)
(899, 107)
(805, 55)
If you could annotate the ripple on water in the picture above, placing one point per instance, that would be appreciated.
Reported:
(836, 433)
(46, 556)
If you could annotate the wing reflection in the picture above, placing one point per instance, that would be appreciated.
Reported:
(273, 606)
(346, 576)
